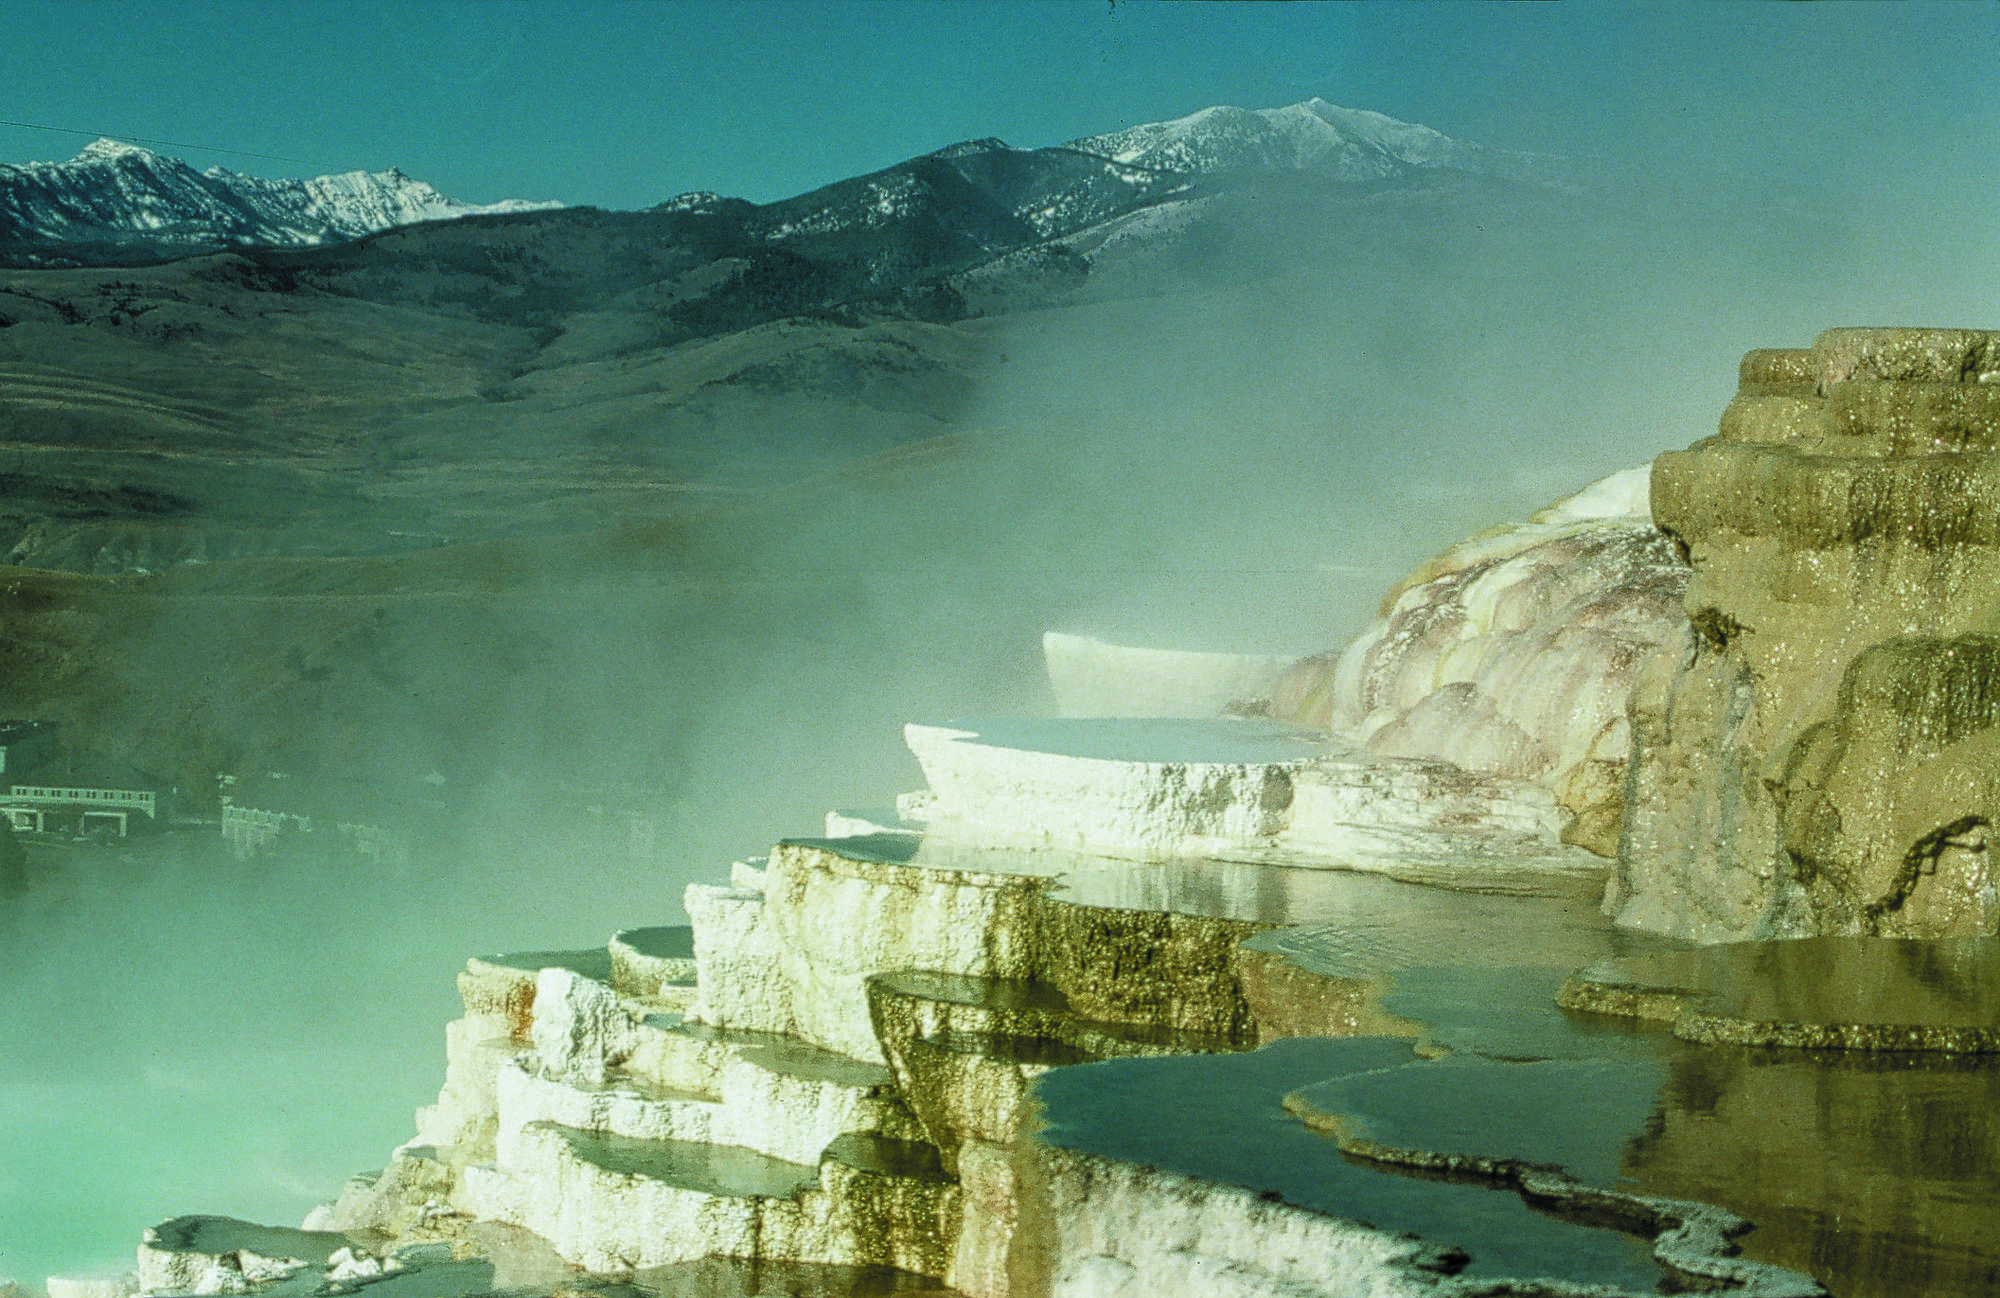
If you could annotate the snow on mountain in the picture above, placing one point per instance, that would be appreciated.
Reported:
(977, 197)
(941, 212)
(355, 203)
(695, 200)
(1345, 143)
(121, 193)
(1004, 222)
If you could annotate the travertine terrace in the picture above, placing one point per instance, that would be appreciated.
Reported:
(849, 1080)
(1823, 759)
(1510, 656)
(1266, 1005)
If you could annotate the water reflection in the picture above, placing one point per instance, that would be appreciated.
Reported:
(1875, 1173)
(1863, 992)
(1219, 1118)
(1522, 913)
(1878, 1173)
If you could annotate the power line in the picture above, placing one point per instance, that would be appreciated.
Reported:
(171, 144)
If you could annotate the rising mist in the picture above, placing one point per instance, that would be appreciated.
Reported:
(1241, 448)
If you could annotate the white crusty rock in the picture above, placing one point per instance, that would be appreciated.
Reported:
(1117, 787)
(628, 1139)
(1513, 654)
(652, 964)
(1426, 820)
(115, 1284)
(475, 1047)
(409, 1199)
(856, 823)
(613, 1205)
(581, 1027)
(782, 1116)
(221, 1255)
(351, 1265)
(1488, 701)
(1115, 1230)
(1232, 788)
(793, 958)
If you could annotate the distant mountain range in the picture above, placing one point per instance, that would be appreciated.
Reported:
(312, 434)
(118, 204)
(115, 198)
(204, 366)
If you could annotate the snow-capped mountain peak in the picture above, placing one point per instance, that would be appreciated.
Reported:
(695, 200)
(1345, 143)
(123, 195)
(106, 149)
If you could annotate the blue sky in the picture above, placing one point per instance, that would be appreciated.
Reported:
(626, 103)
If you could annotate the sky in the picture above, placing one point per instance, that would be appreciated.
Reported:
(625, 104)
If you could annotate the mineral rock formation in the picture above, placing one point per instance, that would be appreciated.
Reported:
(1232, 788)
(1511, 654)
(1823, 759)
(861, 1055)
(855, 1083)
(1124, 787)
(210, 1255)
(116, 1284)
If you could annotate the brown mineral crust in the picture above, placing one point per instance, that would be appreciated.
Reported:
(1623, 1000)
(508, 993)
(1823, 762)
(1830, 993)
(1902, 354)
(1288, 1000)
(1774, 366)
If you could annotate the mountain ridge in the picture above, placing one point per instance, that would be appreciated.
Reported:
(118, 195)
(120, 204)
(362, 395)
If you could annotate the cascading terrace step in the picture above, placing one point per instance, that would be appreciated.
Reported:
(615, 1203)
(670, 1050)
(1229, 788)
(654, 964)
(777, 1114)
(786, 1056)
(211, 1254)
(504, 985)
(620, 1105)
(723, 1171)
(914, 1004)
(967, 1050)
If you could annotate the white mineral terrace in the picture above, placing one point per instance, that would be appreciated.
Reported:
(832, 1069)
(1231, 789)
(1129, 1007)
